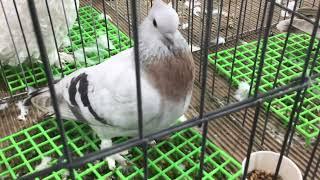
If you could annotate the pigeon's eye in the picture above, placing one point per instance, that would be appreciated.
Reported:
(154, 23)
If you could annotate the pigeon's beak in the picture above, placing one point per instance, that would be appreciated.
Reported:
(169, 36)
(168, 39)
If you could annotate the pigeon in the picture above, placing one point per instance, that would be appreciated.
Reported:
(104, 96)
(8, 54)
(300, 25)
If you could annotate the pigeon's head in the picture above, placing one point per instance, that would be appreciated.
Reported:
(163, 18)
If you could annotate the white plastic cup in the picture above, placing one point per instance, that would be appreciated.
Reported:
(267, 161)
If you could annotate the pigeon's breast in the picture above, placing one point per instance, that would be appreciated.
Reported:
(172, 76)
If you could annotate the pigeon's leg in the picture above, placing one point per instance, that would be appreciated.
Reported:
(111, 160)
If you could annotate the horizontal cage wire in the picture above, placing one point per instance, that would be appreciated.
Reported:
(256, 90)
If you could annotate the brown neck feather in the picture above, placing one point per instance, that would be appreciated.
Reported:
(172, 76)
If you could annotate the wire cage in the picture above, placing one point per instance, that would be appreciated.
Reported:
(256, 89)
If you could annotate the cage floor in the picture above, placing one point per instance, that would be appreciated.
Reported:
(174, 158)
(291, 68)
(92, 27)
(230, 134)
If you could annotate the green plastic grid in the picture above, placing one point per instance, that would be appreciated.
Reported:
(175, 158)
(35, 74)
(292, 67)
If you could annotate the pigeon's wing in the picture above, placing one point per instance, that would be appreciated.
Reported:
(42, 101)
(283, 26)
(106, 93)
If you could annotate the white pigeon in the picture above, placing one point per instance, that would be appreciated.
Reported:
(300, 25)
(104, 95)
(7, 52)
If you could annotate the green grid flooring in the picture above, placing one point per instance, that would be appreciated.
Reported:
(175, 158)
(292, 67)
(35, 74)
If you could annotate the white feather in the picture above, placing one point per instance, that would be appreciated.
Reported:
(194, 48)
(196, 3)
(3, 106)
(243, 42)
(219, 40)
(242, 91)
(197, 11)
(184, 25)
(215, 12)
(43, 164)
(101, 16)
(30, 90)
(182, 118)
(23, 111)
(65, 175)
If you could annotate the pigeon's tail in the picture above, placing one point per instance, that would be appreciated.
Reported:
(41, 100)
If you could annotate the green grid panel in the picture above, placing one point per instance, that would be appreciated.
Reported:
(292, 67)
(92, 26)
(175, 158)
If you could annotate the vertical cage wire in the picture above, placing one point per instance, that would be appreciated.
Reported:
(256, 91)
(255, 60)
(107, 29)
(54, 37)
(203, 85)
(296, 120)
(81, 34)
(220, 8)
(44, 58)
(138, 85)
(307, 170)
(201, 37)
(296, 107)
(117, 21)
(69, 33)
(95, 32)
(277, 75)
(128, 14)
(235, 50)
(24, 40)
(316, 168)
(14, 45)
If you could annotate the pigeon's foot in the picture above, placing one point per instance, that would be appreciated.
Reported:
(111, 160)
